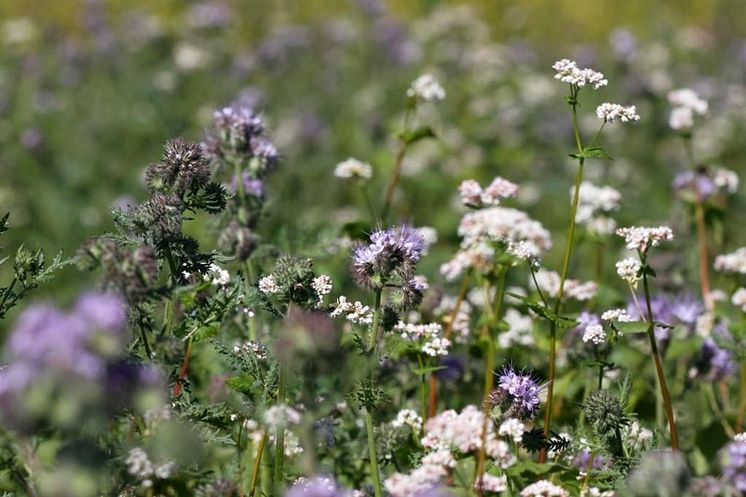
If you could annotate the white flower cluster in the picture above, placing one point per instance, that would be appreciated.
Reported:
(596, 492)
(619, 315)
(637, 436)
(594, 205)
(549, 283)
(739, 437)
(544, 488)
(480, 229)
(408, 417)
(473, 195)
(739, 298)
(421, 479)
(725, 179)
(686, 103)
(268, 285)
(427, 88)
(463, 432)
(429, 235)
(217, 276)
(281, 415)
(642, 238)
(520, 331)
(292, 446)
(354, 312)
(322, 285)
(609, 113)
(353, 168)
(461, 326)
(512, 428)
(432, 343)
(629, 269)
(595, 334)
(255, 348)
(527, 251)
(141, 467)
(735, 262)
(492, 483)
(569, 72)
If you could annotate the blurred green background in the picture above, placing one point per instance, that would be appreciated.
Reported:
(90, 90)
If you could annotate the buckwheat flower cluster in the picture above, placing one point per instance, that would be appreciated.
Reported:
(474, 196)
(739, 298)
(520, 331)
(280, 415)
(408, 417)
(492, 483)
(461, 325)
(595, 203)
(544, 488)
(686, 103)
(482, 230)
(429, 336)
(629, 270)
(569, 72)
(517, 395)
(426, 477)
(141, 467)
(549, 283)
(609, 113)
(734, 262)
(217, 276)
(637, 437)
(641, 238)
(268, 285)
(253, 348)
(595, 334)
(353, 168)
(513, 429)
(392, 254)
(319, 486)
(354, 312)
(619, 315)
(463, 432)
(426, 88)
(322, 285)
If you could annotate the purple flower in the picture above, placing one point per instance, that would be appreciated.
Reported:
(102, 310)
(713, 362)
(583, 461)
(453, 368)
(686, 309)
(734, 465)
(394, 250)
(698, 182)
(251, 186)
(519, 393)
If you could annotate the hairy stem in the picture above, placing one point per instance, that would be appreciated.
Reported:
(659, 367)
(373, 356)
(278, 480)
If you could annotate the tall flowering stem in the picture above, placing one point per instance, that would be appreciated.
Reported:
(565, 267)
(657, 359)
(279, 463)
(372, 345)
(489, 373)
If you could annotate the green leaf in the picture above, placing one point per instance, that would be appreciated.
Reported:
(544, 312)
(592, 153)
(241, 384)
(411, 136)
(632, 326)
(426, 370)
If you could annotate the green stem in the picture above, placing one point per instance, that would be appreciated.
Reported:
(372, 453)
(252, 319)
(423, 388)
(658, 366)
(373, 338)
(145, 342)
(279, 462)
(257, 464)
(563, 276)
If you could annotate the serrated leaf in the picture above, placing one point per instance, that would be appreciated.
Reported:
(241, 384)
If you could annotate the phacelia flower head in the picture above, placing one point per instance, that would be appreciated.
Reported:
(734, 463)
(239, 134)
(184, 168)
(391, 254)
(518, 395)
